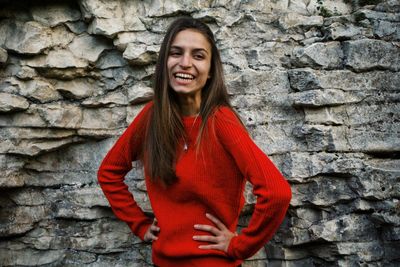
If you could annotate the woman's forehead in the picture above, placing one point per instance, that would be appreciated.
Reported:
(191, 39)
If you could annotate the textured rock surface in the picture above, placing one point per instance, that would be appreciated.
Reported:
(3, 56)
(10, 102)
(316, 82)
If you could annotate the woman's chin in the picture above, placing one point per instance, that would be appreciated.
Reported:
(179, 89)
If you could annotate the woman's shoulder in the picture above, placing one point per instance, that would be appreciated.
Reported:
(226, 114)
(228, 126)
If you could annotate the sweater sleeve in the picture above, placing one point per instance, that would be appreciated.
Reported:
(111, 175)
(269, 186)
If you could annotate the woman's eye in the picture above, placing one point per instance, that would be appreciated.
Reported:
(174, 53)
(198, 56)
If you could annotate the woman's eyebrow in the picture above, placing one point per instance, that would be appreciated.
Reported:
(195, 49)
(200, 50)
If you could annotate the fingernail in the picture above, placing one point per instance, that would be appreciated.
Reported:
(196, 226)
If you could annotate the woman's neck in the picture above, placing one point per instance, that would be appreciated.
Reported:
(189, 104)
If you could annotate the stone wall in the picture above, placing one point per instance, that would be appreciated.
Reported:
(316, 82)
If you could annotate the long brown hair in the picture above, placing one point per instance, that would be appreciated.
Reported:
(165, 125)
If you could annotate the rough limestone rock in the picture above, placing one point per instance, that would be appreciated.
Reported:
(26, 73)
(345, 30)
(319, 55)
(27, 256)
(29, 118)
(35, 147)
(321, 164)
(111, 99)
(103, 118)
(76, 89)
(26, 37)
(387, 30)
(57, 59)
(26, 197)
(345, 228)
(111, 59)
(363, 55)
(111, 26)
(61, 36)
(61, 115)
(21, 219)
(3, 56)
(161, 8)
(10, 103)
(377, 15)
(328, 97)
(255, 82)
(386, 6)
(298, 6)
(140, 54)
(291, 20)
(87, 47)
(122, 40)
(316, 83)
(54, 14)
(377, 81)
(329, 7)
(39, 90)
(98, 8)
(367, 251)
(10, 166)
(329, 115)
(139, 93)
(322, 191)
(32, 37)
(111, 18)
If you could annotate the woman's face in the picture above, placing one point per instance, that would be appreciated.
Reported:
(189, 62)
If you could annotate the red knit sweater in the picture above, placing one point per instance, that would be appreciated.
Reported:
(210, 181)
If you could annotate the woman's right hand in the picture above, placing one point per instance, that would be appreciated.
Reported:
(152, 231)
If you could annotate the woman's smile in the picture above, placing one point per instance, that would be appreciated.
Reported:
(183, 78)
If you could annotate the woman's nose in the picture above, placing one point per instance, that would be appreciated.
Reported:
(185, 61)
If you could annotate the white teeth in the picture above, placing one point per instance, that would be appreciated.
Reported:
(184, 76)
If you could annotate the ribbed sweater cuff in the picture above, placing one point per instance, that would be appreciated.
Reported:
(142, 229)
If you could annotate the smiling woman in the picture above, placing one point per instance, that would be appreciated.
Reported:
(197, 156)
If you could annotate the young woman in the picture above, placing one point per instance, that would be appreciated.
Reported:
(197, 156)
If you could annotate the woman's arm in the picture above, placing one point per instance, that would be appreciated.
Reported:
(269, 186)
(111, 174)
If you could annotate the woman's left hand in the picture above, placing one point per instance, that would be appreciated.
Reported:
(221, 235)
